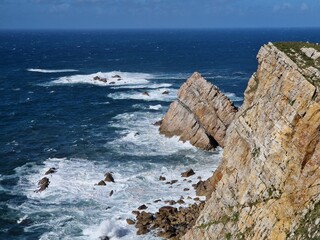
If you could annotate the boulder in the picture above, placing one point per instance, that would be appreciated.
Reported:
(188, 173)
(165, 92)
(101, 183)
(43, 184)
(108, 177)
(146, 94)
(142, 207)
(51, 171)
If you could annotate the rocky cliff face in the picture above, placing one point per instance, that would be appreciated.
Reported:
(201, 114)
(268, 183)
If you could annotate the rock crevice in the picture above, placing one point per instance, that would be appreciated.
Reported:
(201, 114)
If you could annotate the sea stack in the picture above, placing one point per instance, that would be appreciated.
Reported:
(201, 114)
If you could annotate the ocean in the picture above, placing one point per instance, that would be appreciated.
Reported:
(53, 114)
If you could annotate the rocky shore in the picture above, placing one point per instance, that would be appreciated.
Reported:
(267, 185)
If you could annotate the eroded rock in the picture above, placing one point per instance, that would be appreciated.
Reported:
(201, 114)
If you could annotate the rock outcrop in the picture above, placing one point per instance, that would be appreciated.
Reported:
(268, 183)
(201, 114)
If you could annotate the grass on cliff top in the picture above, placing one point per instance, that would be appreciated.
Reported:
(293, 51)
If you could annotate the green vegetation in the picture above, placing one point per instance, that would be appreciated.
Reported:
(255, 152)
(293, 51)
(309, 227)
(224, 220)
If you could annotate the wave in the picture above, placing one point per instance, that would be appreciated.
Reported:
(161, 94)
(114, 78)
(50, 70)
(233, 97)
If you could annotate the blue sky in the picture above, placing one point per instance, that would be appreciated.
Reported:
(106, 14)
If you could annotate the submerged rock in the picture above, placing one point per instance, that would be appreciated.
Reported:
(43, 184)
(51, 171)
(188, 173)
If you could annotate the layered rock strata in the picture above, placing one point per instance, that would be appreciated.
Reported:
(268, 183)
(201, 114)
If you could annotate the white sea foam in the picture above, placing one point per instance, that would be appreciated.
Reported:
(155, 107)
(233, 97)
(142, 86)
(127, 78)
(38, 70)
(79, 210)
(153, 95)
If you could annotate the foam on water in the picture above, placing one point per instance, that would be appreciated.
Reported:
(155, 107)
(153, 95)
(138, 136)
(233, 97)
(149, 86)
(38, 70)
(72, 207)
(127, 78)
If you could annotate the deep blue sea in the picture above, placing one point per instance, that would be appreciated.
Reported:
(53, 114)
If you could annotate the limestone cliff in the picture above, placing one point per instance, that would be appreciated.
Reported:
(201, 114)
(268, 182)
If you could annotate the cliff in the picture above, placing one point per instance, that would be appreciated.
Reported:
(268, 183)
(201, 114)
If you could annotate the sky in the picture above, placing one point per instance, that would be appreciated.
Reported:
(132, 14)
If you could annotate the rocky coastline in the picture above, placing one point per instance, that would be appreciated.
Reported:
(267, 185)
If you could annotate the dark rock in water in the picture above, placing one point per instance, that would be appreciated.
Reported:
(171, 222)
(173, 181)
(111, 193)
(188, 173)
(103, 80)
(97, 78)
(142, 230)
(135, 212)
(104, 238)
(157, 123)
(119, 79)
(171, 202)
(167, 210)
(158, 200)
(136, 134)
(116, 76)
(112, 83)
(180, 201)
(43, 184)
(142, 207)
(165, 92)
(108, 177)
(144, 219)
(130, 221)
(161, 178)
(146, 94)
(101, 183)
(50, 171)
(186, 189)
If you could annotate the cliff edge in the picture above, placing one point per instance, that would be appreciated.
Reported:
(268, 183)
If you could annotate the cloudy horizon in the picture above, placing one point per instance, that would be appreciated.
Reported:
(133, 14)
